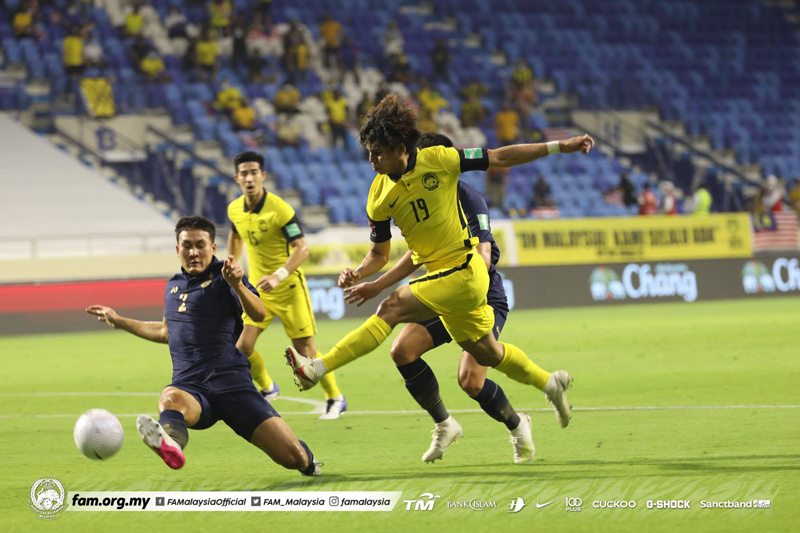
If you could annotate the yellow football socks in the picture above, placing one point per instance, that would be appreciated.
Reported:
(328, 383)
(517, 366)
(358, 342)
(259, 371)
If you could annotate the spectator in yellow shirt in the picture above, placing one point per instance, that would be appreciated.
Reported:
(152, 66)
(23, 22)
(331, 32)
(243, 116)
(337, 117)
(206, 52)
(73, 53)
(133, 23)
(228, 97)
(794, 196)
(219, 12)
(506, 124)
(287, 99)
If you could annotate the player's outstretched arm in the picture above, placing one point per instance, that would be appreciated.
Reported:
(519, 154)
(152, 331)
(251, 302)
(376, 259)
(362, 292)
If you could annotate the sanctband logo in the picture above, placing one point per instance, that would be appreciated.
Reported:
(48, 498)
(425, 504)
(644, 281)
(613, 504)
(573, 505)
(475, 505)
(783, 277)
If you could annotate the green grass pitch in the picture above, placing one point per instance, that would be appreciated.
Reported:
(672, 401)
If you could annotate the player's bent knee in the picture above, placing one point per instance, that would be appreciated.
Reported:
(389, 309)
(402, 354)
(470, 382)
(293, 457)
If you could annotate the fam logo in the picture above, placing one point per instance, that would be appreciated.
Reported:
(48, 498)
(430, 182)
(784, 276)
(326, 297)
(642, 281)
(425, 504)
(475, 505)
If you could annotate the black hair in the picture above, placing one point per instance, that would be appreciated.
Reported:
(195, 222)
(248, 157)
(426, 140)
(390, 123)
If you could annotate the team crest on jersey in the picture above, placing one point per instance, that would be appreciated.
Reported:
(205, 284)
(262, 226)
(430, 182)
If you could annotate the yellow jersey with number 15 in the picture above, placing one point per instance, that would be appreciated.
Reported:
(424, 204)
(267, 230)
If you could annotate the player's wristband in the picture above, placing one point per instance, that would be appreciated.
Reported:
(553, 148)
(281, 273)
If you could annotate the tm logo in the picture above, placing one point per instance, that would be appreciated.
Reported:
(422, 505)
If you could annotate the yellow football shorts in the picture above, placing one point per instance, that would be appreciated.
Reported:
(458, 295)
(291, 303)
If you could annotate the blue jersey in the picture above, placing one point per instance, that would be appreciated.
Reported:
(477, 213)
(204, 320)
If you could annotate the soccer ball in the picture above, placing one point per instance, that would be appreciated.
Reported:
(98, 434)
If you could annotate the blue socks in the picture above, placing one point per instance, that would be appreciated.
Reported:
(423, 387)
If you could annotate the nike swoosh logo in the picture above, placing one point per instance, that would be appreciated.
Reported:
(540, 505)
(391, 205)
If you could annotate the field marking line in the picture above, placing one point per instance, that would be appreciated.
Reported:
(319, 406)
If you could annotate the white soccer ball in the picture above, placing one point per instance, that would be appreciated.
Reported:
(98, 434)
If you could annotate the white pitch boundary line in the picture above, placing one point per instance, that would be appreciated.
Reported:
(319, 406)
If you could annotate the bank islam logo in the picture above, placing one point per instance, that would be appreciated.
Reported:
(784, 276)
(425, 504)
(642, 281)
(475, 505)
(48, 498)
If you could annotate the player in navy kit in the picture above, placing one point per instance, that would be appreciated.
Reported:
(211, 378)
(415, 339)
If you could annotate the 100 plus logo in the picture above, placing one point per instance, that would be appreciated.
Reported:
(573, 505)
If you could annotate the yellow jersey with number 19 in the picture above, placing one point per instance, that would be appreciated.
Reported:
(424, 204)
(266, 230)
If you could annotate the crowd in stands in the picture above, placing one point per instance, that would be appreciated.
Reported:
(231, 46)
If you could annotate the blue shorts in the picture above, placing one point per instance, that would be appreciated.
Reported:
(242, 408)
(496, 299)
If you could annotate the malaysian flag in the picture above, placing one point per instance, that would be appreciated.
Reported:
(613, 197)
(775, 231)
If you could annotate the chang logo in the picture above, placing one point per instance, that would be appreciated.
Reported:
(642, 281)
(326, 297)
(605, 284)
(785, 276)
(430, 182)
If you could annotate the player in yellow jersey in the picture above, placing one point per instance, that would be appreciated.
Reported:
(418, 190)
(276, 248)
